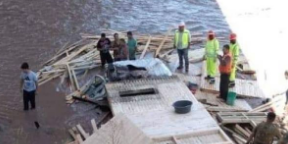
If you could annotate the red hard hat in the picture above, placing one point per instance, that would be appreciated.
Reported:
(233, 36)
(211, 32)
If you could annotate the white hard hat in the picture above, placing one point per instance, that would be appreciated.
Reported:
(182, 24)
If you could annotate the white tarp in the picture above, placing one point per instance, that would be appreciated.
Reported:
(154, 66)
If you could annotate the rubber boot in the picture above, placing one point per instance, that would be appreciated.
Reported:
(212, 80)
(179, 67)
(207, 77)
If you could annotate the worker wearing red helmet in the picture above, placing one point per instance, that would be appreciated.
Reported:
(234, 49)
(211, 48)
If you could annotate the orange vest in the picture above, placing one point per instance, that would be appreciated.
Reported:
(228, 67)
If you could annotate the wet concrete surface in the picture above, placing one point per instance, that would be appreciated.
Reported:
(32, 31)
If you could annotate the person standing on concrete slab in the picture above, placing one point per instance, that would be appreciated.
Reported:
(211, 49)
(132, 46)
(28, 86)
(182, 40)
(225, 70)
(103, 46)
(265, 132)
(234, 49)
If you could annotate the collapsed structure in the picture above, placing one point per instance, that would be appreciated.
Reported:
(150, 118)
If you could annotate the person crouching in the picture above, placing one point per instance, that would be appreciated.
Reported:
(225, 68)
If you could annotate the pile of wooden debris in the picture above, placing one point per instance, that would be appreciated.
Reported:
(83, 56)
(237, 121)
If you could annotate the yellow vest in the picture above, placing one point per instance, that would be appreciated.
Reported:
(211, 48)
(185, 38)
(234, 49)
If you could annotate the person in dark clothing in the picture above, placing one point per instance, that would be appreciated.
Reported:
(225, 70)
(103, 46)
(28, 85)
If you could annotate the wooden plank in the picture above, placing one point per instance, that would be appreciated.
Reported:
(75, 80)
(267, 105)
(162, 43)
(237, 136)
(79, 138)
(242, 130)
(82, 132)
(93, 122)
(70, 76)
(71, 132)
(146, 47)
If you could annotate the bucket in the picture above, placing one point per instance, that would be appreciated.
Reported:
(182, 106)
(231, 98)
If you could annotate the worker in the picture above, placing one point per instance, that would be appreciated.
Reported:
(211, 48)
(28, 86)
(121, 53)
(265, 132)
(103, 46)
(234, 49)
(132, 46)
(182, 40)
(225, 70)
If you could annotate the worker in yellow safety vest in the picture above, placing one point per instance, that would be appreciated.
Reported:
(234, 49)
(211, 48)
(182, 40)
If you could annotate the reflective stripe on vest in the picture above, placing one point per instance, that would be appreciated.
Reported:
(185, 38)
(211, 48)
(234, 49)
(228, 67)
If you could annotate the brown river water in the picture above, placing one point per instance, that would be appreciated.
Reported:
(33, 30)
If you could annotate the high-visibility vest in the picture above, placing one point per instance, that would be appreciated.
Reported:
(211, 48)
(228, 67)
(234, 49)
(185, 38)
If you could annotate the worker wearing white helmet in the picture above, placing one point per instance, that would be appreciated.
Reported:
(182, 40)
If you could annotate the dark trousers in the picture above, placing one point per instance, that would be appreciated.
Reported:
(224, 85)
(29, 97)
(105, 57)
(183, 54)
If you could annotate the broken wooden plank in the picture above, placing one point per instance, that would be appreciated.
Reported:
(82, 132)
(93, 122)
(267, 105)
(146, 47)
(237, 126)
(75, 80)
(162, 43)
(70, 76)
(79, 138)
(71, 132)
(237, 136)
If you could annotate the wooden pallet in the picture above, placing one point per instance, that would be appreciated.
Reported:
(243, 88)
(241, 117)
